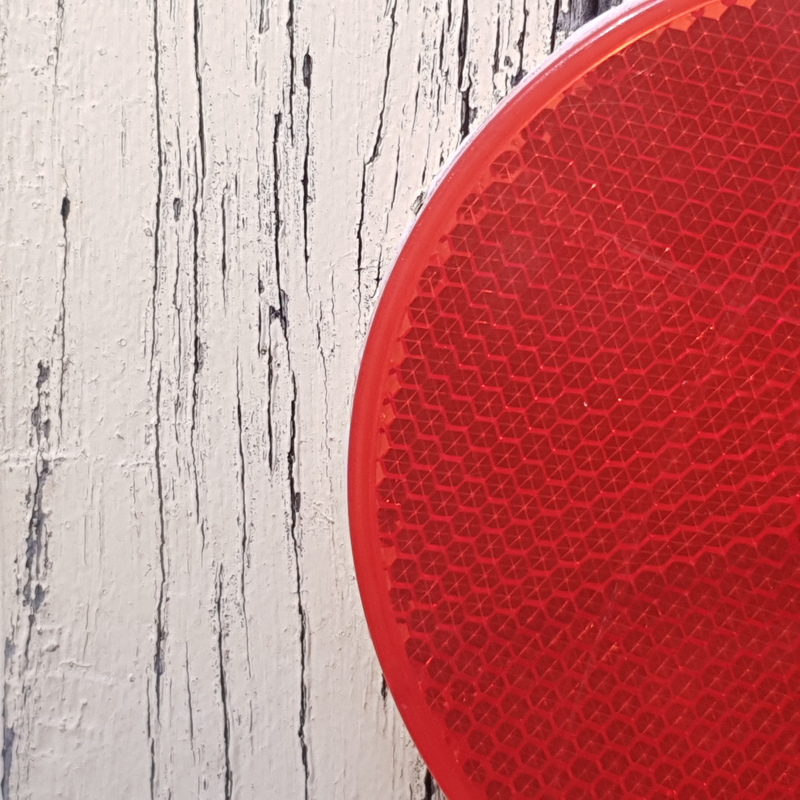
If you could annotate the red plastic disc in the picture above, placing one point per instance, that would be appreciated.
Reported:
(574, 473)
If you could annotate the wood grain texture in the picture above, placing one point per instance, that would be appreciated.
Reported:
(198, 204)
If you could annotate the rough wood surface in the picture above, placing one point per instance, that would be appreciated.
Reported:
(198, 202)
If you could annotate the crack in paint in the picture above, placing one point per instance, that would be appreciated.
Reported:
(160, 180)
(57, 48)
(294, 505)
(376, 149)
(224, 264)
(465, 87)
(223, 690)
(430, 786)
(568, 20)
(360, 235)
(263, 17)
(158, 658)
(197, 353)
(62, 322)
(307, 68)
(520, 73)
(190, 703)
(496, 56)
(245, 544)
(198, 77)
(292, 66)
(554, 26)
(278, 313)
(36, 561)
(151, 740)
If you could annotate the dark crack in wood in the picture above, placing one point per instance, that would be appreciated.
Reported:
(36, 562)
(223, 691)
(198, 77)
(429, 786)
(160, 624)
(159, 182)
(520, 73)
(294, 535)
(9, 734)
(197, 350)
(292, 66)
(62, 321)
(308, 65)
(373, 156)
(464, 81)
(245, 544)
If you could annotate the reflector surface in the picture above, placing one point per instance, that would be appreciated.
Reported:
(574, 465)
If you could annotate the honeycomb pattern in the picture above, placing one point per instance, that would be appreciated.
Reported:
(589, 477)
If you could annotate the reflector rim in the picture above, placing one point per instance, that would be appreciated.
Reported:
(597, 42)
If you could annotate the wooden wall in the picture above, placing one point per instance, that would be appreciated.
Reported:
(198, 204)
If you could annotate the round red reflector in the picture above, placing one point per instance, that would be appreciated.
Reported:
(574, 470)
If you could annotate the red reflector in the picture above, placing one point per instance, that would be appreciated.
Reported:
(574, 467)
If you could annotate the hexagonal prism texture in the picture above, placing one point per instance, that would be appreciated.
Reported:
(589, 471)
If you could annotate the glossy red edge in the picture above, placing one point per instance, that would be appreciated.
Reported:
(597, 42)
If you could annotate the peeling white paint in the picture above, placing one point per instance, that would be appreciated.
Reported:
(198, 203)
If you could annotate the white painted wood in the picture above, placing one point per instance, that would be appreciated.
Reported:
(198, 202)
